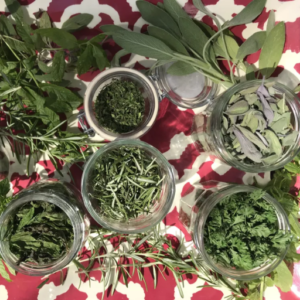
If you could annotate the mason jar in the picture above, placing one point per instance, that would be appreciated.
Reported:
(207, 135)
(68, 199)
(190, 91)
(142, 222)
(195, 208)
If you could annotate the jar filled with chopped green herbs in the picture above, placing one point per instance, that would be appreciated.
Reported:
(240, 231)
(43, 228)
(121, 103)
(128, 186)
(254, 126)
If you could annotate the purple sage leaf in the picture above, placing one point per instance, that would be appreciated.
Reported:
(263, 90)
(268, 112)
(247, 147)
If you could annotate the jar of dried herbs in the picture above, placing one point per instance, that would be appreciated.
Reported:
(128, 186)
(254, 126)
(240, 231)
(43, 228)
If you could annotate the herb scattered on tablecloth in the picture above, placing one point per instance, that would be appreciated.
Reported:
(40, 232)
(242, 231)
(126, 182)
(257, 125)
(34, 59)
(120, 106)
(193, 46)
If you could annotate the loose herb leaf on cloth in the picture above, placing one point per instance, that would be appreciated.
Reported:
(126, 183)
(242, 231)
(120, 106)
(39, 232)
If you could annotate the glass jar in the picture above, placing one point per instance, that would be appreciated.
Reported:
(68, 199)
(142, 222)
(195, 209)
(190, 91)
(207, 136)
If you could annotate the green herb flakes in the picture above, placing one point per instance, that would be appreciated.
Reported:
(242, 231)
(259, 121)
(120, 106)
(126, 182)
(39, 232)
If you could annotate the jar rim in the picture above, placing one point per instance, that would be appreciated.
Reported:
(89, 95)
(69, 209)
(216, 117)
(113, 145)
(199, 225)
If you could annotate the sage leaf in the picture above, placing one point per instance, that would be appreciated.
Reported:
(231, 44)
(45, 21)
(263, 91)
(273, 141)
(112, 29)
(250, 121)
(271, 22)
(270, 160)
(77, 22)
(85, 60)
(234, 98)
(199, 5)
(238, 108)
(158, 17)
(290, 138)
(252, 138)
(268, 112)
(250, 72)
(271, 51)
(262, 139)
(251, 45)
(249, 90)
(168, 39)
(282, 123)
(180, 68)
(144, 45)
(247, 147)
(281, 105)
(225, 122)
(251, 98)
(175, 10)
(248, 14)
(97, 38)
(232, 119)
(193, 35)
(59, 37)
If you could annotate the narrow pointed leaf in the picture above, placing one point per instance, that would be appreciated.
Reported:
(77, 22)
(175, 10)
(271, 22)
(180, 68)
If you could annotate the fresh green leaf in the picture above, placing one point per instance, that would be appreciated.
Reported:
(144, 45)
(4, 187)
(43, 67)
(158, 17)
(175, 10)
(112, 29)
(6, 26)
(43, 283)
(198, 4)
(59, 37)
(231, 45)
(85, 60)
(251, 45)
(271, 22)
(98, 38)
(250, 72)
(271, 51)
(15, 9)
(58, 66)
(248, 14)
(284, 278)
(77, 22)
(100, 57)
(168, 39)
(3, 272)
(180, 68)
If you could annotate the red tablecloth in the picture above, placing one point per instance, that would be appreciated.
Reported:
(170, 134)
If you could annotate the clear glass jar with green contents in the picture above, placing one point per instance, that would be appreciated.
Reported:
(196, 211)
(250, 129)
(43, 228)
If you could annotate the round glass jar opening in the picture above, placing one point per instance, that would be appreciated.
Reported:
(62, 195)
(144, 221)
(198, 234)
(124, 74)
(187, 91)
(215, 140)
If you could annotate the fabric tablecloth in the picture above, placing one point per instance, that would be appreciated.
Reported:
(170, 134)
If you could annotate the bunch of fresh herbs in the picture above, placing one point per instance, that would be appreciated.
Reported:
(39, 232)
(257, 125)
(126, 182)
(33, 95)
(192, 46)
(120, 106)
(242, 232)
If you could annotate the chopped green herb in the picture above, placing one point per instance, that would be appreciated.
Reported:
(242, 231)
(120, 106)
(39, 232)
(126, 182)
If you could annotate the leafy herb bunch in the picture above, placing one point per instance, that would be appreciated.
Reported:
(32, 89)
(192, 45)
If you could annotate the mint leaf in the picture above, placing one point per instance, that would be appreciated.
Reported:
(4, 187)
(85, 60)
(58, 66)
(77, 22)
(100, 57)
